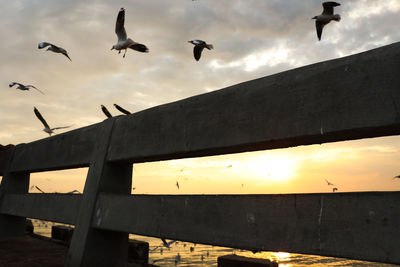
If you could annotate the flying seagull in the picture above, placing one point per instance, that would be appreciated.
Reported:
(123, 41)
(329, 183)
(326, 17)
(24, 87)
(47, 128)
(121, 109)
(199, 45)
(106, 112)
(53, 48)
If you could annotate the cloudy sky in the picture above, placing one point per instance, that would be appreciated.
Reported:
(252, 39)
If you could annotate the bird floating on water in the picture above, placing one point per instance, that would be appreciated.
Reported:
(123, 41)
(24, 87)
(122, 109)
(47, 128)
(325, 17)
(199, 45)
(53, 48)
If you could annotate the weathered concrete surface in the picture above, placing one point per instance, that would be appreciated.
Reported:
(240, 261)
(5, 158)
(67, 150)
(342, 99)
(94, 247)
(60, 208)
(363, 226)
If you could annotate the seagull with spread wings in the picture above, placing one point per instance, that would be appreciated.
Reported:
(123, 41)
(199, 45)
(325, 17)
(122, 109)
(24, 87)
(47, 128)
(53, 48)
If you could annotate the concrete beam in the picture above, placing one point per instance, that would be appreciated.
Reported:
(343, 99)
(60, 208)
(68, 150)
(364, 226)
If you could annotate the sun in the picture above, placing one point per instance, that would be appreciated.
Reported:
(273, 168)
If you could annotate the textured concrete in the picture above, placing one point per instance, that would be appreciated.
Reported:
(94, 247)
(67, 150)
(343, 99)
(363, 226)
(60, 208)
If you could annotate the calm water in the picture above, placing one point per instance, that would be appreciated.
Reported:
(203, 255)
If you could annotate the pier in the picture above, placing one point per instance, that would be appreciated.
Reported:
(343, 99)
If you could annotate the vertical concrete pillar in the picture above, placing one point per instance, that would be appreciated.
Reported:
(12, 183)
(90, 246)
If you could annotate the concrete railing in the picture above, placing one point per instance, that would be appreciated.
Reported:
(343, 99)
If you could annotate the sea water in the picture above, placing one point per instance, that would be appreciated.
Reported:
(191, 254)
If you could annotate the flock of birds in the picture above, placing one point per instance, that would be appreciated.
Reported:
(125, 43)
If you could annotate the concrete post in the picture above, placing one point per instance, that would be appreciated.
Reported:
(12, 183)
(95, 247)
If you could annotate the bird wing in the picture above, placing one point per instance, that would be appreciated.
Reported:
(122, 109)
(43, 45)
(106, 112)
(119, 25)
(139, 47)
(319, 27)
(197, 52)
(66, 54)
(34, 88)
(328, 7)
(40, 117)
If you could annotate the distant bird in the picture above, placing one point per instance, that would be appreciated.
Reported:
(122, 109)
(191, 249)
(177, 184)
(326, 17)
(24, 87)
(334, 189)
(199, 45)
(396, 177)
(329, 183)
(123, 41)
(47, 128)
(106, 112)
(53, 48)
(229, 166)
(167, 244)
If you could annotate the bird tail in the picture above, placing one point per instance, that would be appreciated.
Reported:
(336, 17)
(209, 46)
